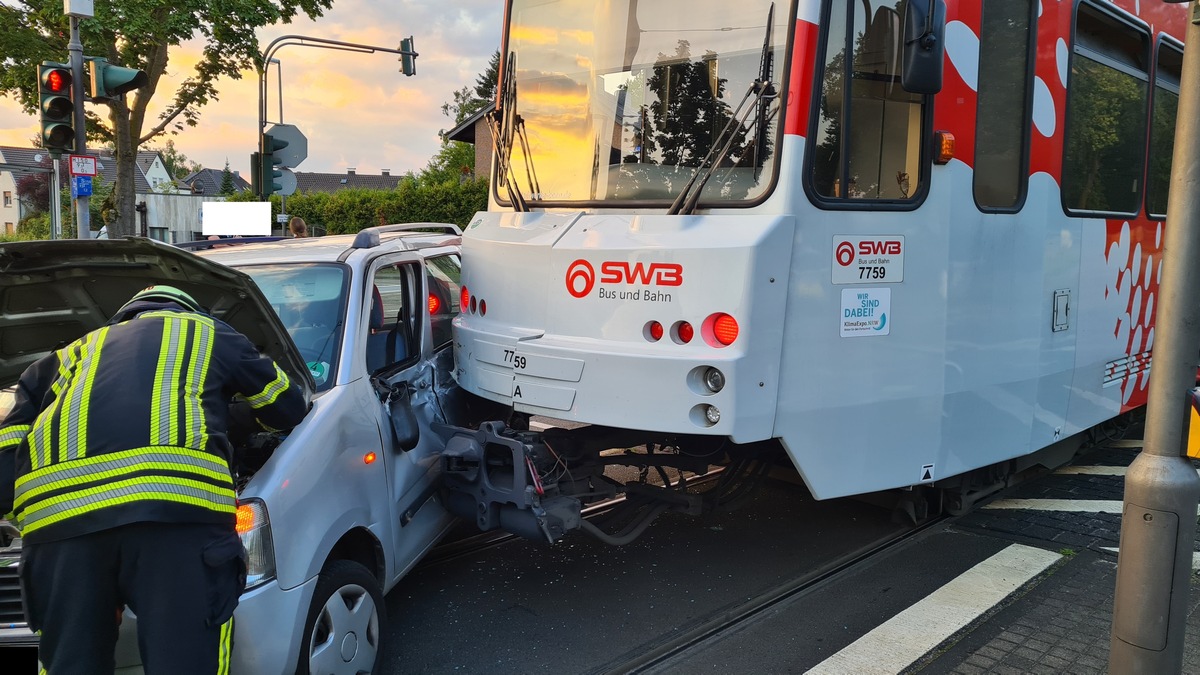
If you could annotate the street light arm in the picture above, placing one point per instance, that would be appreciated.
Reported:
(304, 41)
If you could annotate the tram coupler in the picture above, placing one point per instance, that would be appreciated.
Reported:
(500, 478)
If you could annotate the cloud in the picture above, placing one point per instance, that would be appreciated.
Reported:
(357, 110)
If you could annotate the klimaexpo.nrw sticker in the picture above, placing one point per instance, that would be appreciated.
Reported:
(866, 312)
(868, 260)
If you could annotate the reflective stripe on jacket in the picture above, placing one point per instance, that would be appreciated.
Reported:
(129, 422)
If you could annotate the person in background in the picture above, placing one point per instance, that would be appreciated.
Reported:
(298, 227)
(116, 462)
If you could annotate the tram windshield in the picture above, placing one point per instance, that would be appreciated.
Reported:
(623, 100)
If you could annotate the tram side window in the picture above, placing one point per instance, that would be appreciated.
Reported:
(1162, 127)
(1002, 123)
(1106, 115)
(869, 133)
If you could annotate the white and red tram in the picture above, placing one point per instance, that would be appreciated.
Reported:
(897, 286)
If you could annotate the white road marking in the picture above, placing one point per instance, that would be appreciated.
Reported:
(1071, 505)
(1135, 443)
(1195, 557)
(1095, 470)
(900, 641)
(1067, 505)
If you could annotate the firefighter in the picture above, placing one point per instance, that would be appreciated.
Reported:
(119, 477)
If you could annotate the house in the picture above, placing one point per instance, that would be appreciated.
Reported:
(332, 182)
(15, 163)
(163, 210)
(474, 130)
(208, 182)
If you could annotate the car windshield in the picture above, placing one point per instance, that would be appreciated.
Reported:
(623, 100)
(310, 299)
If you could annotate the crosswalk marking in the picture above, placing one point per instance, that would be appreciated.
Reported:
(1095, 471)
(1066, 505)
(900, 641)
(1070, 505)
(1195, 557)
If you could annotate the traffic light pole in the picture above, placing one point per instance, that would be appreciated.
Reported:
(75, 48)
(1154, 566)
(307, 41)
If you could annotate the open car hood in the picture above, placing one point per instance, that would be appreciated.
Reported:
(53, 292)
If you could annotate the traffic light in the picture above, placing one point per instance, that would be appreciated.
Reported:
(56, 106)
(109, 81)
(270, 166)
(408, 60)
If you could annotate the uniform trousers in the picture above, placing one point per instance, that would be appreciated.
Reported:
(181, 581)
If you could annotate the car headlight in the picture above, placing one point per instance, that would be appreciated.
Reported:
(254, 527)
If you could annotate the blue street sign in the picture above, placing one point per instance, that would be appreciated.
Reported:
(81, 186)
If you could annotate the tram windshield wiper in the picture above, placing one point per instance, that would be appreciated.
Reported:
(758, 93)
(508, 128)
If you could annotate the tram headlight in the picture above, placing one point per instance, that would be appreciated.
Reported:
(712, 414)
(715, 381)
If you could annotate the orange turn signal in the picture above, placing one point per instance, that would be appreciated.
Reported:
(369, 458)
(944, 141)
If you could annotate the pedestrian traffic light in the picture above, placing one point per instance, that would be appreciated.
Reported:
(109, 81)
(408, 58)
(270, 165)
(56, 106)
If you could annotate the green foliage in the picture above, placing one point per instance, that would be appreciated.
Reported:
(453, 162)
(36, 226)
(227, 181)
(413, 201)
(177, 163)
(470, 100)
(141, 34)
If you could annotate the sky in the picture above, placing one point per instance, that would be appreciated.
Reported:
(357, 110)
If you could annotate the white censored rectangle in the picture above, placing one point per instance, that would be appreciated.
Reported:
(236, 218)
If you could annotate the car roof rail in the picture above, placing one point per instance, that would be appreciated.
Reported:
(369, 237)
(201, 244)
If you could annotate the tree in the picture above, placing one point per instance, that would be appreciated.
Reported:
(227, 181)
(177, 163)
(141, 34)
(470, 100)
(33, 189)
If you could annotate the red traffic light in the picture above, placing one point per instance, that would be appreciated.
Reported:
(57, 80)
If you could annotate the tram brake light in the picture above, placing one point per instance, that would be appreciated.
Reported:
(482, 308)
(654, 331)
(464, 300)
(944, 141)
(434, 304)
(685, 332)
(720, 329)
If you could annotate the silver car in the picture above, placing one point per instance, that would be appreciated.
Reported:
(336, 511)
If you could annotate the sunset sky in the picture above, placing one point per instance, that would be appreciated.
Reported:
(357, 110)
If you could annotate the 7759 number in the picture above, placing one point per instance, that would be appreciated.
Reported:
(872, 272)
(518, 362)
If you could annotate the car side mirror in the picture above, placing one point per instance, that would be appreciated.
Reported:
(924, 46)
(405, 430)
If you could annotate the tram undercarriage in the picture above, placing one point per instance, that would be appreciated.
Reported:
(536, 484)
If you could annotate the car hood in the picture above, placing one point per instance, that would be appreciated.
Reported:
(53, 292)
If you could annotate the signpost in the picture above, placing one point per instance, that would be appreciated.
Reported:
(82, 165)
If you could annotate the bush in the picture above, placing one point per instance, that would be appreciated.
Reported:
(35, 226)
(413, 201)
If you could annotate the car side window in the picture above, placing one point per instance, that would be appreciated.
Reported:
(390, 338)
(443, 283)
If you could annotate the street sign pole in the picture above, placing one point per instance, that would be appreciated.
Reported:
(76, 9)
(56, 201)
(1158, 525)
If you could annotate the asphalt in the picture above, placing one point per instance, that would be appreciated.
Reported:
(1061, 621)
(1023, 584)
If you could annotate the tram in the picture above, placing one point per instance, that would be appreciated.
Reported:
(910, 242)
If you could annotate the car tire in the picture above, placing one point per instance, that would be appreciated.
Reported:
(347, 620)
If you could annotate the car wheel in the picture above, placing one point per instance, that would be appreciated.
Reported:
(346, 622)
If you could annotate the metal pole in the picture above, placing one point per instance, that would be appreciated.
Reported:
(279, 80)
(75, 47)
(1154, 567)
(56, 231)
